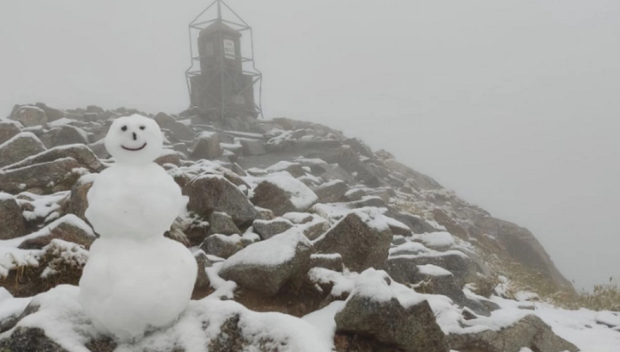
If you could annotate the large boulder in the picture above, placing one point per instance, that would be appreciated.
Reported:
(269, 228)
(456, 262)
(19, 147)
(281, 193)
(49, 177)
(163, 120)
(295, 169)
(373, 309)
(29, 116)
(82, 153)
(202, 279)
(530, 332)
(312, 225)
(68, 228)
(221, 245)
(8, 130)
(331, 192)
(207, 146)
(13, 223)
(402, 269)
(350, 161)
(266, 266)
(52, 113)
(179, 130)
(209, 193)
(27, 339)
(362, 238)
(64, 135)
(252, 146)
(223, 224)
(328, 261)
(430, 278)
(78, 200)
(169, 156)
(416, 223)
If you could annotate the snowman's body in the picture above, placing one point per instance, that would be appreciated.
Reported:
(134, 201)
(135, 279)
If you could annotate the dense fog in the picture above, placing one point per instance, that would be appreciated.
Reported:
(512, 104)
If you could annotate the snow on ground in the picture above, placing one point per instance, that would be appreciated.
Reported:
(223, 289)
(11, 258)
(342, 282)
(373, 218)
(581, 327)
(433, 270)
(337, 211)
(409, 248)
(577, 326)
(436, 239)
(10, 306)
(65, 253)
(373, 284)
(64, 322)
(61, 317)
(609, 318)
(279, 166)
(43, 205)
(395, 223)
(323, 319)
(60, 122)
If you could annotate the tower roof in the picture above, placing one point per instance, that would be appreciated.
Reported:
(219, 26)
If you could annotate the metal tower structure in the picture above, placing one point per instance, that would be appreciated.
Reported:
(221, 79)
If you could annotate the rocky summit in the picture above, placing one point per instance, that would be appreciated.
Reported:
(306, 240)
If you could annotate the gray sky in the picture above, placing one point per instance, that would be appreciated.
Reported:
(513, 104)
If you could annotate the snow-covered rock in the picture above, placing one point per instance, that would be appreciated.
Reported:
(69, 228)
(267, 265)
(13, 224)
(222, 246)
(530, 332)
(209, 193)
(374, 309)
(431, 243)
(362, 238)
(282, 193)
(8, 130)
(29, 115)
(206, 146)
(269, 228)
(80, 152)
(47, 177)
(222, 223)
(19, 147)
(331, 191)
(64, 135)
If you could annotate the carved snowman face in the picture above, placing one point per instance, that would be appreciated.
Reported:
(134, 140)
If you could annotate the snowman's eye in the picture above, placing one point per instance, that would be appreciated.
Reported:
(142, 127)
(124, 128)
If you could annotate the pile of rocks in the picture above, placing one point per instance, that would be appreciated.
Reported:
(284, 216)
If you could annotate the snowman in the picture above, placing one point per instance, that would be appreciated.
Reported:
(136, 280)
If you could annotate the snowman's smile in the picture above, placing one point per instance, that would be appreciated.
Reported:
(134, 149)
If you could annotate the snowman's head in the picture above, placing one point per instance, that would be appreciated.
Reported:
(134, 139)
